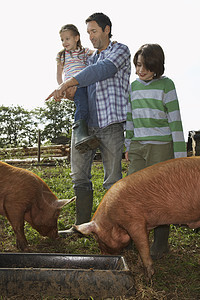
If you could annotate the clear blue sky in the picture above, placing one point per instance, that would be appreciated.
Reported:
(30, 41)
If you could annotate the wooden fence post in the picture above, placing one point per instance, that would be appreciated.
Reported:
(39, 143)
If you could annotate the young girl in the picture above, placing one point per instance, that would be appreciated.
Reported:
(154, 130)
(70, 61)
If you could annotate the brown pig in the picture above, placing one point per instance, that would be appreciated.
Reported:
(165, 193)
(24, 196)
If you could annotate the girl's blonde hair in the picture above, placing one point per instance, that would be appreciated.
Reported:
(75, 32)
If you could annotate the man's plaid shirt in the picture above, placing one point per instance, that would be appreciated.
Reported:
(112, 94)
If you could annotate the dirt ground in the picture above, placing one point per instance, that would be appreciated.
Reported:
(177, 275)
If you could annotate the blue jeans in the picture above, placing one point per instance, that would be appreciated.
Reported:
(81, 102)
(111, 147)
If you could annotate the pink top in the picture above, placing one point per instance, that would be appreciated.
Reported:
(75, 61)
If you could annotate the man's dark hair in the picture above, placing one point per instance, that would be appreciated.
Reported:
(102, 20)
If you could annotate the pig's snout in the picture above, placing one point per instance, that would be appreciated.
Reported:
(50, 232)
(106, 250)
(53, 234)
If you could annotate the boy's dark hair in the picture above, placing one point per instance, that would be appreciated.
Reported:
(102, 20)
(154, 58)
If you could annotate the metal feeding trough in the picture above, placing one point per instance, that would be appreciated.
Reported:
(61, 275)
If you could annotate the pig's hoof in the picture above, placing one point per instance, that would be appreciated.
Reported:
(22, 246)
(150, 272)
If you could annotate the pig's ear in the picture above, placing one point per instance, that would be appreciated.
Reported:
(87, 228)
(62, 202)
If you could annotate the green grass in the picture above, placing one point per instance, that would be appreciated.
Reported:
(177, 275)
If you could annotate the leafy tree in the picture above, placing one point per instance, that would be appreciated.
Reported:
(57, 118)
(17, 127)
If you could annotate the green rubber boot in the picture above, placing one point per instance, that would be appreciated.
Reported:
(84, 202)
(160, 245)
(83, 141)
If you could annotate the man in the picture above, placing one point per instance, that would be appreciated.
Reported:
(107, 80)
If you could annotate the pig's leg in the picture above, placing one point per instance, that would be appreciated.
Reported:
(139, 257)
(141, 240)
(21, 241)
(17, 223)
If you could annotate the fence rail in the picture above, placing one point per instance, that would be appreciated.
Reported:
(55, 152)
(34, 154)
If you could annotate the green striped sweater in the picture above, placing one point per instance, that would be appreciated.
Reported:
(153, 114)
